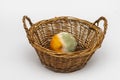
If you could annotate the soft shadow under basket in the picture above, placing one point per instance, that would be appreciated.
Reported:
(88, 35)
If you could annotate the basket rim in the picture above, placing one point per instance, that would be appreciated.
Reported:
(65, 17)
(66, 54)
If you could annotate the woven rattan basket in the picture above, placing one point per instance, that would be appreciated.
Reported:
(88, 35)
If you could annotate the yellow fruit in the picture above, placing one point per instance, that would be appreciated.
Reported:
(56, 44)
(63, 42)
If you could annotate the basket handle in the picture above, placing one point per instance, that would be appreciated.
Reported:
(24, 23)
(105, 23)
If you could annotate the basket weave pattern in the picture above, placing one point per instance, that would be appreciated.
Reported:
(88, 35)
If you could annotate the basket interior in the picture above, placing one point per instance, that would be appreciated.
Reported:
(84, 35)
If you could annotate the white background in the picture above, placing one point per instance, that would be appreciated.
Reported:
(19, 61)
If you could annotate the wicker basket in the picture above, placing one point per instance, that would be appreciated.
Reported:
(88, 35)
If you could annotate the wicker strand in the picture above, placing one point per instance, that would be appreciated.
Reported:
(104, 30)
(26, 27)
(105, 23)
(24, 23)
